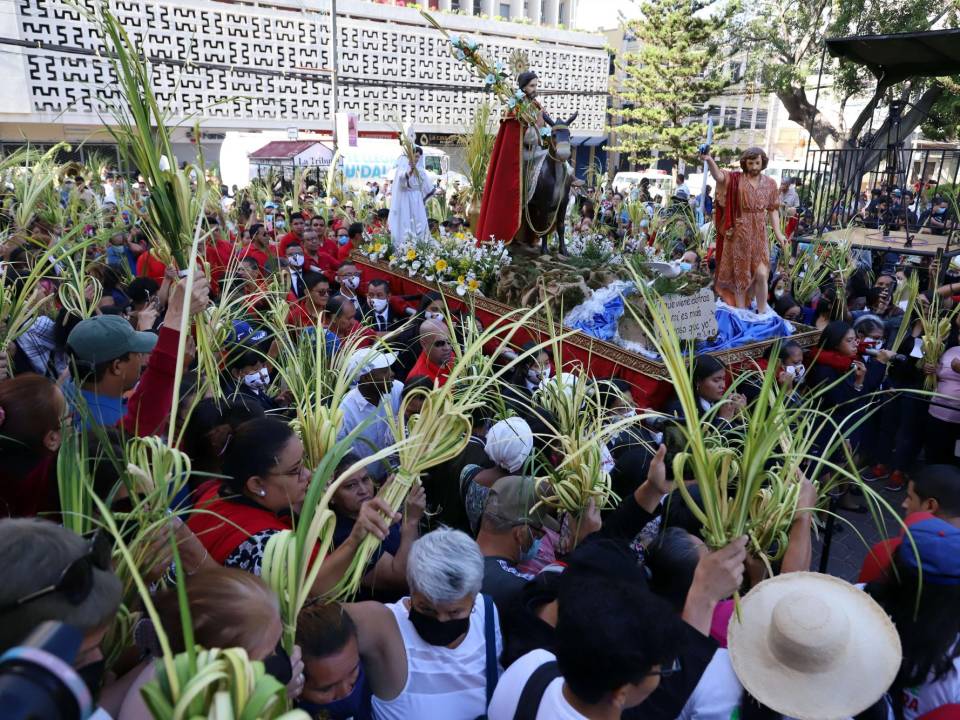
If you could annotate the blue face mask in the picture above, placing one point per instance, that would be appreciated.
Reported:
(531, 552)
(356, 704)
(686, 267)
(342, 240)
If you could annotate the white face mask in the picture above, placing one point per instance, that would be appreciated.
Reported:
(628, 413)
(433, 315)
(296, 260)
(795, 371)
(257, 379)
(533, 375)
(378, 305)
(778, 293)
(352, 282)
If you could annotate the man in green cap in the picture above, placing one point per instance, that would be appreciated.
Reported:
(110, 355)
(510, 534)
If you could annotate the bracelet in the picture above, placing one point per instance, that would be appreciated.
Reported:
(199, 564)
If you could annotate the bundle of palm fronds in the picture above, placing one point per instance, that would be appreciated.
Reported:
(142, 131)
(747, 469)
(478, 147)
(906, 293)
(936, 328)
(217, 684)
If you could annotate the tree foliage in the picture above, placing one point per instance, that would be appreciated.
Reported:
(666, 81)
(785, 40)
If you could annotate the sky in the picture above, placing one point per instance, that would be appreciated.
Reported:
(602, 14)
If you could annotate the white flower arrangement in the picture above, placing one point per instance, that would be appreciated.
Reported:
(456, 259)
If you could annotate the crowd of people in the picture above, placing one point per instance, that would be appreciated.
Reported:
(479, 600)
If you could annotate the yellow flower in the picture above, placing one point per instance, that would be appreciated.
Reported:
(378, 247)
(461, 279)
(473, 285)
(441, 265)
(411, 254)
(459, 235)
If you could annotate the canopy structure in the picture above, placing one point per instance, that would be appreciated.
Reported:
(893, 58)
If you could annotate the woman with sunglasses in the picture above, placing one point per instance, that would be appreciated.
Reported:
(386, 576)
(311, 310)
(265, 484)
(32, 410)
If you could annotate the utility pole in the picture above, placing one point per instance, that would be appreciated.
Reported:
(334, 48)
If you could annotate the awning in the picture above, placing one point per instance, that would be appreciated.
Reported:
(587, 140)
(897, 57)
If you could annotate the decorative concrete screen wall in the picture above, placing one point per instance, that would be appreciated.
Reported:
(240, 66)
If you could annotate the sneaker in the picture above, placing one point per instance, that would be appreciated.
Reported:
(898, 481)
(876, 473)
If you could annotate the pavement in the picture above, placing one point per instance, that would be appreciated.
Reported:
(853, 535)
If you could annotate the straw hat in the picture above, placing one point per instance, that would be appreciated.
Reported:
(813, 647)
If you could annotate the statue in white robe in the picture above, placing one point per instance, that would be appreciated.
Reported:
(412, 186)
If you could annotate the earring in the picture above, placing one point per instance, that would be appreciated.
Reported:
(263, 493)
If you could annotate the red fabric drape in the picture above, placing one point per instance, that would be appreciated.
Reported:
(500, 207)
(726, 215)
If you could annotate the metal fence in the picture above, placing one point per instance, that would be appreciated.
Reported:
(836, 185)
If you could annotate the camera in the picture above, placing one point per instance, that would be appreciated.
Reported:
(38, 681)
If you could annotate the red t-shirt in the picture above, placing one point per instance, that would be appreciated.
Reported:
(290, 238)
(301, 315)
(149, 266)
(424, 368)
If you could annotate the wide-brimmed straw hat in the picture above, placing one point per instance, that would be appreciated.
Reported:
(813, 647)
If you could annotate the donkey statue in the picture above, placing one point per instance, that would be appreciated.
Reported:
(547, 176)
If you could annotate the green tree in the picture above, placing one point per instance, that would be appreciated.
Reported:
(667, 80)
(785, 40)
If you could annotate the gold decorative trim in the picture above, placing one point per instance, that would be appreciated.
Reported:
(807, 337)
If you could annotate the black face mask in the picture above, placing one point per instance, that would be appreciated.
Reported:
(92, 676)
(438, 632)
(278, 665)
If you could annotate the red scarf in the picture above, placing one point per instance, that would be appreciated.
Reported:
(225, 524)
(832, 359)
(726, 215)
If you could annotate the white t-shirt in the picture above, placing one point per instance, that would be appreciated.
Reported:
(553, 706)
(442, 684)
(928, 697)
(717, 696)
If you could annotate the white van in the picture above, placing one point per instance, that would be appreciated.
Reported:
(661, 183)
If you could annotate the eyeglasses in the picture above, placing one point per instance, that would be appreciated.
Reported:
(76, 580)
(663, 672)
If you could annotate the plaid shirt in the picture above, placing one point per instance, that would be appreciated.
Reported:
(38, 344)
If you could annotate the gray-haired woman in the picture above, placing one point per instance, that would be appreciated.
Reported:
(433, 654)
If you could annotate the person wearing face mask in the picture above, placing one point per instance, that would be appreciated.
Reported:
(246, 363)
(710, 389)
(348, 278)
(511, 530)
(436, 355)
(51, 573)
(295, 268)
(433, 654)
(352, 241)
(228, 608)
(375, 397)
(380, 315)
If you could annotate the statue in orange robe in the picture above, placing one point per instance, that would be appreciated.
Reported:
(745, 202)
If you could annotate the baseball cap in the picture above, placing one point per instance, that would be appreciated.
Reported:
(243, 332)
(513, 501)
(270, 204)
(938, 545)
(682, 193)
(367, 360)
(106, 337)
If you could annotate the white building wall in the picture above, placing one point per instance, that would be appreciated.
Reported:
(268, 68)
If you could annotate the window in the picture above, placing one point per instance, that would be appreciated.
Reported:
(730, 117)
(761, 120)
(746, 118)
